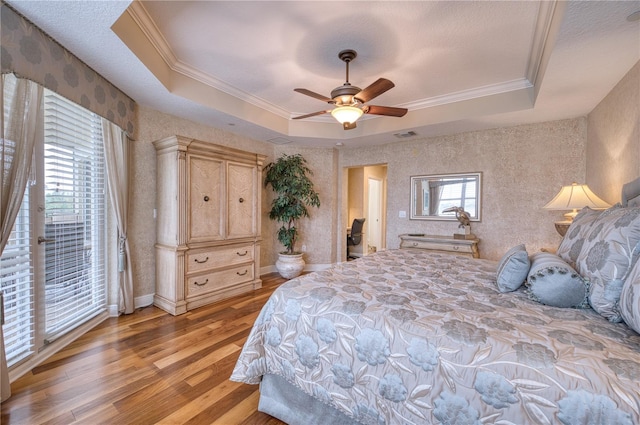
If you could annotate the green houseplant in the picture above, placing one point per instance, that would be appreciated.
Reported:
(288, 176)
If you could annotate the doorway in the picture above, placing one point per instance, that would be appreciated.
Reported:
(53, 268)
(366, 198)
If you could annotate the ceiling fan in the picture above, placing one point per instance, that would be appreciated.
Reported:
(350, 100)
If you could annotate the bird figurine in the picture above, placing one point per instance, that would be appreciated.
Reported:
(461, 215)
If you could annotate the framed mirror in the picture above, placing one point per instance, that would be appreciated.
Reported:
(432, 194)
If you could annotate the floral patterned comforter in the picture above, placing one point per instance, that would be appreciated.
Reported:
(413, 337)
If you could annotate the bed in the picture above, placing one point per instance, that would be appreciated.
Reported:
(410, 336)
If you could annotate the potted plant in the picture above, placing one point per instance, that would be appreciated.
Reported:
(288, 176)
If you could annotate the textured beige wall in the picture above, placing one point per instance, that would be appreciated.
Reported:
(613, 141)
(318, 231)
(154, 125)
(523, 168)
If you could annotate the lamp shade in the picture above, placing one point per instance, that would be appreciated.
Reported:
(346, 114)
(575, 197)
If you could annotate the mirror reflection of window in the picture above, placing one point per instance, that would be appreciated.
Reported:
(431, 195)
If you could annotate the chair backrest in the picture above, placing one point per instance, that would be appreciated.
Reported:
(356, 230)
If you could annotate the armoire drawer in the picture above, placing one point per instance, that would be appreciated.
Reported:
(212, 258)
(208, 282)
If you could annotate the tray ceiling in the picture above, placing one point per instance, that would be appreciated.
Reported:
(457, 66)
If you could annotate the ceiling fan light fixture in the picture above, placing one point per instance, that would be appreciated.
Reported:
(345, 114)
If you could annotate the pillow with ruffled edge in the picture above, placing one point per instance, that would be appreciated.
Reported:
(607, 257)
(571, 245)
(513, 269)
(551, 281)
(630, 299)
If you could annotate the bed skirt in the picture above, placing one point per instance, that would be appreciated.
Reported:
(282, 400)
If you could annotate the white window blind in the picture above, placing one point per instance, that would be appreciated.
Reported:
(74, 216)
(462, 195)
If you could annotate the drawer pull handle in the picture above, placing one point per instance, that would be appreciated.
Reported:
(206, 199)
(455, 247)
(201, 284)
(241, 200)
(242, 274)
(415, 244)
(243, 254)
(201, 262)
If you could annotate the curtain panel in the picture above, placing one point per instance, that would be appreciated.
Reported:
(30, 53)
(116, 152)
(19, 134)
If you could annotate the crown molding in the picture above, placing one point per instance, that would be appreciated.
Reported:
(142, 18)
(544, 35)
(475, 93)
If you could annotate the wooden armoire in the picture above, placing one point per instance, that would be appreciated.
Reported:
(208, 223)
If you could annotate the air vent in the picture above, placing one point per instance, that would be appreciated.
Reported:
(279, 141)
(405, 135)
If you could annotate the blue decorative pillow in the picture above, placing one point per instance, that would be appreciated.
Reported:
(607, 256)
(513, 269)
(630, 299)
(553, 282)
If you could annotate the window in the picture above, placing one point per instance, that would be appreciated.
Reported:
(74, 206)
(53, 268)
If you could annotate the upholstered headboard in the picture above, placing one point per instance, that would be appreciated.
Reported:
(631, 194)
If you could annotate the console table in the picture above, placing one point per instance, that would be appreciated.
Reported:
(468, 247)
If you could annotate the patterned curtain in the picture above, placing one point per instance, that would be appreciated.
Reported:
(30, 53)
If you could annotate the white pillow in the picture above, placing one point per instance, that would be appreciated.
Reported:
(571, 245)
(630, 299)
(607, 256)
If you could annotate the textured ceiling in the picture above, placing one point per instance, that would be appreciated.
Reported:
(457, 66)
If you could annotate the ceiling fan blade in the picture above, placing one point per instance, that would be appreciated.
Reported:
(374, 90)
(385, 110)
(313, 114)
(314, 95)
(349, 125)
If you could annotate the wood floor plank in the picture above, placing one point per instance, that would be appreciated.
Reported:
(147, 368)
(240, 412)
(203, 402)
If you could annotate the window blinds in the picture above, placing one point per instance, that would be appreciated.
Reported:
(17, 286)
(74, 215)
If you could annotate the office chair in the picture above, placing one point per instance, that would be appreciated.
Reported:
(355, 236)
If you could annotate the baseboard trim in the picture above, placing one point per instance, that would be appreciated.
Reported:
(307, 268)
(138, 302)
(147, 300)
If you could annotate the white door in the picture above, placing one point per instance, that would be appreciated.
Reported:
(374, 221)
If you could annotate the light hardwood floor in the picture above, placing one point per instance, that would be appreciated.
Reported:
(148, 368)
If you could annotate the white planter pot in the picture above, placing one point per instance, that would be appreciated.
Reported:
(290, 266)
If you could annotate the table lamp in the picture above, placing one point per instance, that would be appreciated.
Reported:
(574, 197)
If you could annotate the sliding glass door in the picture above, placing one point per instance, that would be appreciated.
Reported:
(53, 268)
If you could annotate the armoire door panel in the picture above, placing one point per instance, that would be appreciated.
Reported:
(206, 183)
(241, 188)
